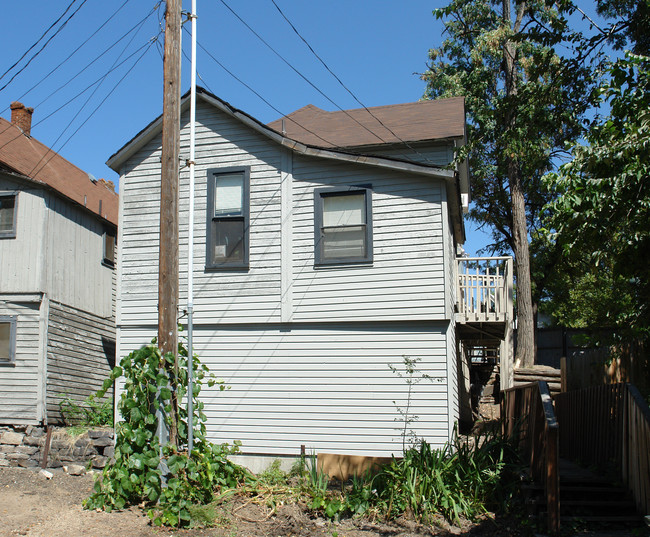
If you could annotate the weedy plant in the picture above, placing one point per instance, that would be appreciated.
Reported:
(94, 411)
(135, 476)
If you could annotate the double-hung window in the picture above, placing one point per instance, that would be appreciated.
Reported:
(228, 218)
(7, 216)
(7, 339)
(343, 225)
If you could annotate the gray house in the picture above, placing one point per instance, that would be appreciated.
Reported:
(57, 252)
(325, 254)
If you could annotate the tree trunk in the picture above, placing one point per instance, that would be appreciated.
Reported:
(525, 352)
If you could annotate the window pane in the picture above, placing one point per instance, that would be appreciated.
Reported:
(5, 341)
(228, 245)
(344, 242)
(228, 194)
(7, 204)
(348, 210)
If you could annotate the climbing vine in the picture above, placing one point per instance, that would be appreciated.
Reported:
(171, 485)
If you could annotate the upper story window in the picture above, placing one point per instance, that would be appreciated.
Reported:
(343, 225)
(7, 215)
(7, 339)
(228, 218)
(109, 247)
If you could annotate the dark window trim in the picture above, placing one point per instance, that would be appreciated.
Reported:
(11, 319)
(319, 194)
(105, 260)
(12, 233)
(211, 175)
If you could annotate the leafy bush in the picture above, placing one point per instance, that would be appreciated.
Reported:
(136, 474)
(461, 479)
(91, 412)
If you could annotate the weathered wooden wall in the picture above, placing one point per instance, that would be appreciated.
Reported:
(80, 354)
(21, 382)
(74, 250)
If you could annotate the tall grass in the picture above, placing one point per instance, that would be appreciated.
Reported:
(461, 479)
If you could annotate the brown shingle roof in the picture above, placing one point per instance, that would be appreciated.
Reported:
(409, 122)
(29, 157)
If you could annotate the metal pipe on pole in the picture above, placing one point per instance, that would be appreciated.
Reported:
(190, 245)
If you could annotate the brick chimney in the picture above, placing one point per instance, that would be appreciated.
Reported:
(22, 117)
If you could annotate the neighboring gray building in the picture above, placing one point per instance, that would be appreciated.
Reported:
(57, 254)
(324, 253)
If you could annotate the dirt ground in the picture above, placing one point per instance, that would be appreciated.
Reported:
(32, 505)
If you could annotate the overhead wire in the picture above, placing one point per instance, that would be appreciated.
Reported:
(260, 96)
(300, 74)
(52, 71)
(45, 45)
(293, 27)
(39, 39)
(101, 81)
(150, 44)
(115, 66)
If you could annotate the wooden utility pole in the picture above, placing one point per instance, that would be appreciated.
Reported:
(168, 252)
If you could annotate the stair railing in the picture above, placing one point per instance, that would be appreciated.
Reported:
(608, 426)
(528, 417)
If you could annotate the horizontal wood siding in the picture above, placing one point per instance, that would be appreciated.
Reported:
(80, 355)
(406, 278)
(220, 296)
(432, 154)
(74, 254)
(19, 382)
(328, 387)
(23, 255)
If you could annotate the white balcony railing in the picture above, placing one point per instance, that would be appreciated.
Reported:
(484, 291)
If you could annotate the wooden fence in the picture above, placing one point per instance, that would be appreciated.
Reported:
(609, 427)
(528, 416)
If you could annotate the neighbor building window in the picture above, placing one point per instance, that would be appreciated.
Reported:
(228, 218)
(7, 216)
(7, 339)
(109, 247)
(343, 225)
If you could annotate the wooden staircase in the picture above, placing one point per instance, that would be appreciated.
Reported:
(594, 502)
(590, 504)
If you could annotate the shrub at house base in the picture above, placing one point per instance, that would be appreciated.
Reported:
(135, 477)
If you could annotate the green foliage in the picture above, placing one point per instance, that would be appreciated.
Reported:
(92, 412)
(463, 479)
(600, 216)
(136, 474)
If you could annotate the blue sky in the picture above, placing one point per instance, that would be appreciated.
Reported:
(375, 47)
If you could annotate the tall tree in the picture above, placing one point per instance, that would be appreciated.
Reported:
(601, 216)
(524, 102)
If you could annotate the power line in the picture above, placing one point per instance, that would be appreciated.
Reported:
(342, 84)
(257, 94)
(45, 45)
(299, 73)
(39, 39)
(79, 94)
(93, 34)
(151, 42)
